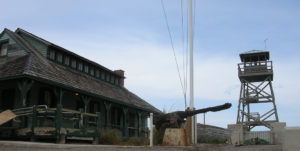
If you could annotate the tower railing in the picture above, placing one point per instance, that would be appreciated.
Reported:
(261, 67)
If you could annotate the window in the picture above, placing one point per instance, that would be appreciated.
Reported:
(3, 51)
(52, 54)
(97, 74)
(107, 77)
(112, 79)
(117, 81)
(67, 60)
(86, 69)
(59, 57)
(102, 75)
(92, 71)
(73, 63)
(80, 66)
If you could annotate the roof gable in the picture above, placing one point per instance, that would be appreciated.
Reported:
(5, 36)
(10, 36)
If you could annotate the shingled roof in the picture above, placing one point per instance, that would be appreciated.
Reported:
(34, 65)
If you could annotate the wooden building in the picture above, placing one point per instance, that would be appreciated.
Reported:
(58, 94)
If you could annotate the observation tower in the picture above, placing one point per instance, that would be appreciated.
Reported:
(256, 75)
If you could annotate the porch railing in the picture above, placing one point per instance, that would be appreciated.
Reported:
(41, 120)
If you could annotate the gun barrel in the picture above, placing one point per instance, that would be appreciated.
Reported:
(212, 109)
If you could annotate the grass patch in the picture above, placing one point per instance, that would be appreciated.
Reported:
(158, 136)
(136, 141)
(212, 140)
(114, 137)
(256, 141)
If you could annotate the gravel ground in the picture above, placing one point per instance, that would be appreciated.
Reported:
(30, 146)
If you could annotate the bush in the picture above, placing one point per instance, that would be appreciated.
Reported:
(110, 137)
(136, 141)
(158, 136)
(256, 141)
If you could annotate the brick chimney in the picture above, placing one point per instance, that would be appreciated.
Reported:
(121, 73)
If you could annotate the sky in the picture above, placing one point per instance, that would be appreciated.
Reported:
(132, 35)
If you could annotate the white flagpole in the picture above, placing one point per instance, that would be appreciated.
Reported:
(191, 44)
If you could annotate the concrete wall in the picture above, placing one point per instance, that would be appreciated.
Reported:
(278, 130)
(237, 134)
(291, 139)
(212, 133)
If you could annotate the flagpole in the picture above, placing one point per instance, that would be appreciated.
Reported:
(191, 44)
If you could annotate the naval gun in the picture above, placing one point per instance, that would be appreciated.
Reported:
(176, 119)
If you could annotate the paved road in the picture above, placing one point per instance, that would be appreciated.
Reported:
(30, 146)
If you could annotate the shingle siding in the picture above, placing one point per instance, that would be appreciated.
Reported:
(13, 48)
(5, 36)
(42, 48)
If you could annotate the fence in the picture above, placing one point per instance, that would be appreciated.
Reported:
(265, 135)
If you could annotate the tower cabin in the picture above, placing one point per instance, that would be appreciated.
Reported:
(255, 66)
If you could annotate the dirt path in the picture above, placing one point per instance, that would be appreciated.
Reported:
(29, 146)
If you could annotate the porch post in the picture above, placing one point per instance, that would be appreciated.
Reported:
(139, 124)
(24, 86)
(143, 125)
(60, 135)
(116, 116)
(59, 93)
(98, 126)
(125, 119)
(34, 121)
(108, 114)
(86, 100)
(122, 122)
(98, 122)
(136, 124)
